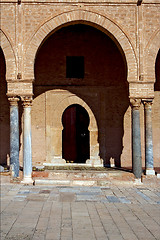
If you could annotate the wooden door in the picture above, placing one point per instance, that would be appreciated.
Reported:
(75, 134)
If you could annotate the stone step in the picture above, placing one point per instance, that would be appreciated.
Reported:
(65, 182)
(80, 178)
(80, 174)
(88, 183)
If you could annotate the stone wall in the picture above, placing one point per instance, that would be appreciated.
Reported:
(129, 46)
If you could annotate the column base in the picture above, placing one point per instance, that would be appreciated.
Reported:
(27, 180)
(138, 181)
(150, 172)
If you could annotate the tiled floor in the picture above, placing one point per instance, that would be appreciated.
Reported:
(80, 213)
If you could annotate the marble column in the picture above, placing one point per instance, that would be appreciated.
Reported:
(14, 137)
(27, 147)
(136, 138)
(149, 167)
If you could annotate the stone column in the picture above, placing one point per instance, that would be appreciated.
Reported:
(14, 137)
(27, 147)
(148, 138)
(136, 138)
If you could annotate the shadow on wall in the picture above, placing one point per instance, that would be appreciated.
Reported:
(156, 114)
(4, 114)
(117, 102)
(157, 70)
(104, 86)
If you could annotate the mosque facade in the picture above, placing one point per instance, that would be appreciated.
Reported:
(80, 84)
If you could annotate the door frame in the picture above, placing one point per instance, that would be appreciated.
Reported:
(54, 127)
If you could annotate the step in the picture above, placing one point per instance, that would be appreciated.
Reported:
(80, 177)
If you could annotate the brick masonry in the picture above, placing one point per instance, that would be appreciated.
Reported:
(133, 34)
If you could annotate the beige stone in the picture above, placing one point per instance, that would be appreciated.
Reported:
(119, 65)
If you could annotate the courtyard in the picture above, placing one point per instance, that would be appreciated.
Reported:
(115, 211)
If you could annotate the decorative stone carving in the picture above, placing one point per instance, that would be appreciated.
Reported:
(147, 103)
(13, 101)
(26, 101)
(135, 103)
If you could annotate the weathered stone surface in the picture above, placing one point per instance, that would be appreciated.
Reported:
(77, 213)
(120, 44)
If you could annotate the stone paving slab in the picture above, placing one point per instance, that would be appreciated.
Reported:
(80, 213)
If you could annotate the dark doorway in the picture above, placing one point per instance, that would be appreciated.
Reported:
(75, 134)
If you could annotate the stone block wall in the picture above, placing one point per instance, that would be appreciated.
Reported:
(135, 31)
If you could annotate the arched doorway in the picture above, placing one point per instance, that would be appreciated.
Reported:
(75, 134)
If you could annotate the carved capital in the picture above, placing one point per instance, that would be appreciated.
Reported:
(26, 101)
(135, 103)
(13, 101)
(147, 103)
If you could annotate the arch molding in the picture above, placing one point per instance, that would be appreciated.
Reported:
(9, 56)
(85, 17)
(55, 127)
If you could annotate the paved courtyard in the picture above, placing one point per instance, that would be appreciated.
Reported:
(80, 213)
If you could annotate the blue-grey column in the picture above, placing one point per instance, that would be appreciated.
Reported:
(14, 137)
(149, 165)
(136, 138)
(27, 144)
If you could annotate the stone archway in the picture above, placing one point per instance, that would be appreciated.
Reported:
(54, 128)
(90, 18)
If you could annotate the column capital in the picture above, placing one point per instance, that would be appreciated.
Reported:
(135, 103)
(13, 100)
(147, 103)
(27, 101)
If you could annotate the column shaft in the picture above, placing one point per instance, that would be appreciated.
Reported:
(14, 137)
(27, 147)
(148, 138)
(136, 140)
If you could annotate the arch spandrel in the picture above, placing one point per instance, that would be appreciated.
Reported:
(9, 56)
(85, 17)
